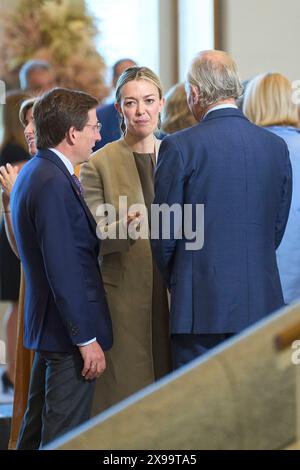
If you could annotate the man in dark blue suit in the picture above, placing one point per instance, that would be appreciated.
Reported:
(242, 176)
(66, 317)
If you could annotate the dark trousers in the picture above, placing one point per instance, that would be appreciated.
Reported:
(186, 347)
(59, 399)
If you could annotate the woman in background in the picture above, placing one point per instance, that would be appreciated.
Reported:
(135, 290)
(268, 103)
(24, 357)
(176, 113)
(13, 151)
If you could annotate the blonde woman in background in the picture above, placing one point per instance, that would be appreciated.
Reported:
(135, 290)
(176, 113)
(13, 151)
(268, 103)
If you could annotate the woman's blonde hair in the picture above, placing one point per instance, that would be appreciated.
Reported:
(12, 129)
(137, 73)
(25, 107)
(268, 101)
(176, 114)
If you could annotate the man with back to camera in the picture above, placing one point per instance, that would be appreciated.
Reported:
(66, 317)
(242, 175)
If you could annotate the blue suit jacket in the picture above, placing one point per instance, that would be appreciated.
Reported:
(242, 175)
(109, 118)
(55, 232)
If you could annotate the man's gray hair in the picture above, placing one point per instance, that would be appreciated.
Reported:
(28, 67)
(215, 75)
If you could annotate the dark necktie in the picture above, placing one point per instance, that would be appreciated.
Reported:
(78, 185)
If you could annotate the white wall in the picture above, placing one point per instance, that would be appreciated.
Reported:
(196, 30)
(262, 35)
(127, 29)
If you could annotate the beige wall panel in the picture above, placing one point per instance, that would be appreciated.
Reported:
(262, 35)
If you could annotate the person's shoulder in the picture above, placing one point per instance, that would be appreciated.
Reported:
(103, 111)
(266, 134)
(46, 172)
(290, 134)
(108, 153)
(183, 136)
(102, 160)
(40, 180)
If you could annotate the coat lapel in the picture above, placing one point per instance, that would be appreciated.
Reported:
(129, 174)
(51, 156)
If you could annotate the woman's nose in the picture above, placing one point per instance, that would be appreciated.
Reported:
(29, 129)
(140, 108)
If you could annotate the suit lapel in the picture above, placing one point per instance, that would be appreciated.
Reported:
(52, 157)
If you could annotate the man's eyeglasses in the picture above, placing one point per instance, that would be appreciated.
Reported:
(95, 127)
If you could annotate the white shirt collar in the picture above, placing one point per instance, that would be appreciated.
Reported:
(220, 106)
(64, 159)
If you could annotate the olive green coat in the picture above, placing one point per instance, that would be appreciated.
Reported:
(127, 272)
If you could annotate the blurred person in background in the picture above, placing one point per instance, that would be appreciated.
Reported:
(36, 77)
(24, 357)
(176, 114)
(268, 103)
(14, 152)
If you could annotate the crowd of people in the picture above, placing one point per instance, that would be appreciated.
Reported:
(105, 308)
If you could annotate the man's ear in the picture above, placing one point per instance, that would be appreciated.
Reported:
(195, 94)
(71, 135)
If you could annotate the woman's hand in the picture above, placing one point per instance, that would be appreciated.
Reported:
(134, 217)
(8, 175)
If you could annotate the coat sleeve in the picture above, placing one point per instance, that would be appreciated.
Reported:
(94, 195)
(285, 202)
(52, 221)
(169, 191)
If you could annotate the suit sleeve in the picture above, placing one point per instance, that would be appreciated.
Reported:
(94, 195)
(285, 202)
(61, 259)
(169, 190)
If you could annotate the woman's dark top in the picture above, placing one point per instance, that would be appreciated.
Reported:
(9, 263)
